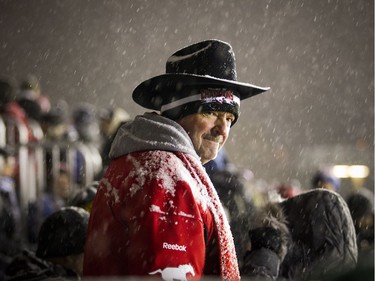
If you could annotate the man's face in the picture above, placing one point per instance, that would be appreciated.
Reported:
(208, 132)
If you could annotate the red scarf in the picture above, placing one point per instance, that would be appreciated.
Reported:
(228, 258)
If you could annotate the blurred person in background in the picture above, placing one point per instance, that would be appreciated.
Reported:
(86, 123)
(51, 199)
(309, 236)
(32, 109)
(10, 213)
(56, 125)
(10, 109)
(55, 199)
(287, 190)
(58, 182)
(60, 248)
(30, 90)
(361, 206)
(325, 179)
(7, 181)
(33, 103)
(56, 140)
(322, 235)
(84, 197)
(229, 185)
(111, 120)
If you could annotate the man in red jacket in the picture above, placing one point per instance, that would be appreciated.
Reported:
(156, 213)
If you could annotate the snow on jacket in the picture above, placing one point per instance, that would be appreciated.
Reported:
(156, 213)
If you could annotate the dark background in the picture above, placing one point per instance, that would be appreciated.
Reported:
(316, 55)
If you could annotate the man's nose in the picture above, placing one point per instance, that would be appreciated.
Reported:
(221, 125)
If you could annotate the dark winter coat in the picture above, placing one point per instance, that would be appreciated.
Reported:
(230, 188)
(307, 237)
(323, 235)
(27, 266)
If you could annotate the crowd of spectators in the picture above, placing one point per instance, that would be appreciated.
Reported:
(52, 157)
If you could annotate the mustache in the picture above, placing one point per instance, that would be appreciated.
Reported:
(214, 137)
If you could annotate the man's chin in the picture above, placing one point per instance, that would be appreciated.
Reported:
(208, 157)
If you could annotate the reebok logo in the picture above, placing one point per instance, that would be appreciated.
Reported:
(174, 247)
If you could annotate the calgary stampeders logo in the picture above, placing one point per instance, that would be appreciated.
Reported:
(217, 95)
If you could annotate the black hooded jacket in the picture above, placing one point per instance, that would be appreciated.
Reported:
(313, 237)
(322, 234)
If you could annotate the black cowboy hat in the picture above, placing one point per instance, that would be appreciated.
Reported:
(209, 63)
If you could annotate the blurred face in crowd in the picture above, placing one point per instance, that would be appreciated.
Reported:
(105, 126)
(63, 187)
(89, 132)
(55, 132)
(208, 132)
(7, 166)
(327, 185)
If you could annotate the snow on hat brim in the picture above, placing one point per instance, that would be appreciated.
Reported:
(209, 63)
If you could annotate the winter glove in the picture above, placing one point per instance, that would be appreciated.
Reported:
(265, 237)
(263, 259)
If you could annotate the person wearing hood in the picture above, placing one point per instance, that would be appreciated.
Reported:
(156, 212)
(110, 120)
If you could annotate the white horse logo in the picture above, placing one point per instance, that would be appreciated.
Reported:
(175, 273)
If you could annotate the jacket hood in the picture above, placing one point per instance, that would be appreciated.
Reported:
(151, 132)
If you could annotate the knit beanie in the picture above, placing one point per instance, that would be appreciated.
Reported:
(63, 233)
(202, 100)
